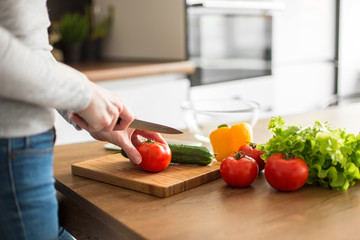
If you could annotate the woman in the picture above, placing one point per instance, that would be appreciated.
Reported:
(32, 85)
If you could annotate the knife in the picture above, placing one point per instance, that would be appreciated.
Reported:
(153, 127)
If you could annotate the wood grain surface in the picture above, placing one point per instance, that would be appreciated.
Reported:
(117, 170)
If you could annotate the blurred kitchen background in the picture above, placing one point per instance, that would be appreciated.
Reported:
(291, 56)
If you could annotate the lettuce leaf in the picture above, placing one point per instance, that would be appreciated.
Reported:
(333, 156)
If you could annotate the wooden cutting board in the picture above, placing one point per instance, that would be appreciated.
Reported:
(117, 170)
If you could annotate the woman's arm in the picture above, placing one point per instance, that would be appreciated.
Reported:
(33, 76)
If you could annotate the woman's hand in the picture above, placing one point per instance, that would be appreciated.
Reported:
(100, 119)
(128, 140)
(103, 112)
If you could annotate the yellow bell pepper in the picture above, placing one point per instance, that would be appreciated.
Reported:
(226, 140)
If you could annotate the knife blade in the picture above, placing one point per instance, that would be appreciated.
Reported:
(153, 127)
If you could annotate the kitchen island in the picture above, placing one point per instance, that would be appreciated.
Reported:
(95, 210)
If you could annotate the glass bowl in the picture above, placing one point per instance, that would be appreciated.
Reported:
(204, 116)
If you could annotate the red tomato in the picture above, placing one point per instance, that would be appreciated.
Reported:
(286, 174)
(155, 156)
(252, 151)
(239, 170)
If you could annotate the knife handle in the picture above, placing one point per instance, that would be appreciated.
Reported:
(118, 121)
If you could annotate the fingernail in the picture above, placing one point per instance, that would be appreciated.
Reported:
(137, 161)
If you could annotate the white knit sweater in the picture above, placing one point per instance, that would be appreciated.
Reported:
(32, 82)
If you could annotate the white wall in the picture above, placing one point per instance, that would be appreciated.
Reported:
(146, 29)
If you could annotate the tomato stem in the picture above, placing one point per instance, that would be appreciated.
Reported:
(253, 145)
(239, 155)
(288, 156)
(149, 141)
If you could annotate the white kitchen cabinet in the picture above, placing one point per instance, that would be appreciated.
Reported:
(152, 98)
(155, 98)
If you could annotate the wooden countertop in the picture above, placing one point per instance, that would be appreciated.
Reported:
(213, 210)
(110, 70)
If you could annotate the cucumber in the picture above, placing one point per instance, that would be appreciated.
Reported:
(186, 154)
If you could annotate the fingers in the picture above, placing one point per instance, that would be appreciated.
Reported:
(103, 111)
(121, 139)
(109, 124)
(157, 137)
(136, 141)
(146, 134)
(97, 136)
(79, 121)
(133, 154)
(126, 118)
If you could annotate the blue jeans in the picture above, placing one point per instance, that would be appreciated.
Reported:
(28, 204)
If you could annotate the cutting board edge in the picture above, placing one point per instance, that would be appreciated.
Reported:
(193, 182)
(154, 190)
(79, 169)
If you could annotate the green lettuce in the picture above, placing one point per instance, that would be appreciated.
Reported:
(333, 156)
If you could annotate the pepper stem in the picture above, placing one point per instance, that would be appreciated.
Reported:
(224, 125)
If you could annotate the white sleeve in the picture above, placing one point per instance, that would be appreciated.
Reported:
(66, 115)
(34, 76)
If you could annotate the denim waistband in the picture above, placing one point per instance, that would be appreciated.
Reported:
(24, 142)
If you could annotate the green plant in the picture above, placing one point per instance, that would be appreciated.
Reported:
(73, 28)
(99, 23)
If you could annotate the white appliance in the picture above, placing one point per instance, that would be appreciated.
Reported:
(349, 48)
(303, 61)
(231, 43)
(230, 40)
